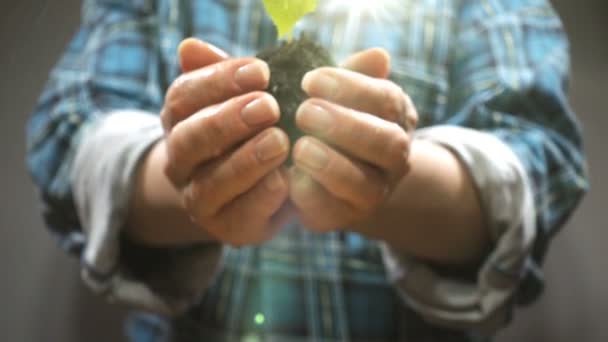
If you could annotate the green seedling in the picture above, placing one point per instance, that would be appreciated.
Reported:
(286, 13)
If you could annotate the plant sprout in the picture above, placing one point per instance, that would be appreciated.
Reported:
(286, 13)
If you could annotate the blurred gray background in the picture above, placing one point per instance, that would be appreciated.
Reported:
(42, 299)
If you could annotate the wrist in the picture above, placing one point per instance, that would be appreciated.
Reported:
(434, 212)
(156, 215)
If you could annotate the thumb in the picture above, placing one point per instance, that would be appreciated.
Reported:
(375, 62)
(195, 54)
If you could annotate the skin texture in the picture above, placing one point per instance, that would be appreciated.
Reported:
(217, 175)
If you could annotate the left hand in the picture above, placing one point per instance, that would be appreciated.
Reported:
(359, 127)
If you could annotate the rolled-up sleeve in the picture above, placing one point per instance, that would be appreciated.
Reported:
(166, 280)
(511, 125)
(85, 141)
(506, 197)
(109, 64)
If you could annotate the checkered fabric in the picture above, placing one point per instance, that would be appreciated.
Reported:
(498, 66)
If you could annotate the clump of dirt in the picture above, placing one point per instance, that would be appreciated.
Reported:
(288, 63)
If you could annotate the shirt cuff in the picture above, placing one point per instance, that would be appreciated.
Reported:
(507, 203)
(167, 281)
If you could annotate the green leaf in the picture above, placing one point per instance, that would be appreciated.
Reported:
(286, 13)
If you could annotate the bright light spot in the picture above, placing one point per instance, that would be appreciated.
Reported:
(353, 15)
(360, 8)
(259, 319)
(357, 5)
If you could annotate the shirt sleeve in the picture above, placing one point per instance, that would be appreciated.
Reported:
(507, 202)
(160, 280)
(111, 63)
(83, 148)
(508, 79)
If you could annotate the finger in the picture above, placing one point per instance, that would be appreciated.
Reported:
(366, 137)
(249, 218)
(216, 129)
(211, 85)
(195, 54)
(223, 180)
(354, 182)
(317, 208)
(379, 97)
(411, 116)
(374, 62)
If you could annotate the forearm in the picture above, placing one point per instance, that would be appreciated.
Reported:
(156, 216)
(434, 213)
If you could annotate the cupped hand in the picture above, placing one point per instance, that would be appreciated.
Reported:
(223, 155)
(358, 127)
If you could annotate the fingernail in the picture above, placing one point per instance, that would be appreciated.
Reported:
(272, 145)
(259, 111)
(318, 83)
(274, 181)
(312, 156)
(252, 75)
(314, 118)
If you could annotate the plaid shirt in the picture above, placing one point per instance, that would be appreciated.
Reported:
(497, 66)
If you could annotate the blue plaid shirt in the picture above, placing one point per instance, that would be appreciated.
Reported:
(498, 66)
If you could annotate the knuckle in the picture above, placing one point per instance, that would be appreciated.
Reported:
(170, 172)
(174, 99)
(372, 142)
(214, 128)
(244, 164)
(191, 202)
(219, 75)
(394, 102)
(378, 137)
(412, 121)
(177, 148)
(202, 186)
(398, 151)
(198, 196)
(400, 143)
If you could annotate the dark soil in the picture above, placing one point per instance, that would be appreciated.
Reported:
(288, 63)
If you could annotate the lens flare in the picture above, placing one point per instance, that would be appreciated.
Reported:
(362, 9)
(351, 16)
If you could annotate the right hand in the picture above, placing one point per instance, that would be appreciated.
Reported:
(223, 155)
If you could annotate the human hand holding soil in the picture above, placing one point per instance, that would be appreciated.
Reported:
(356, 148)
(222, 161)
(221, 155)
(350, 128)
